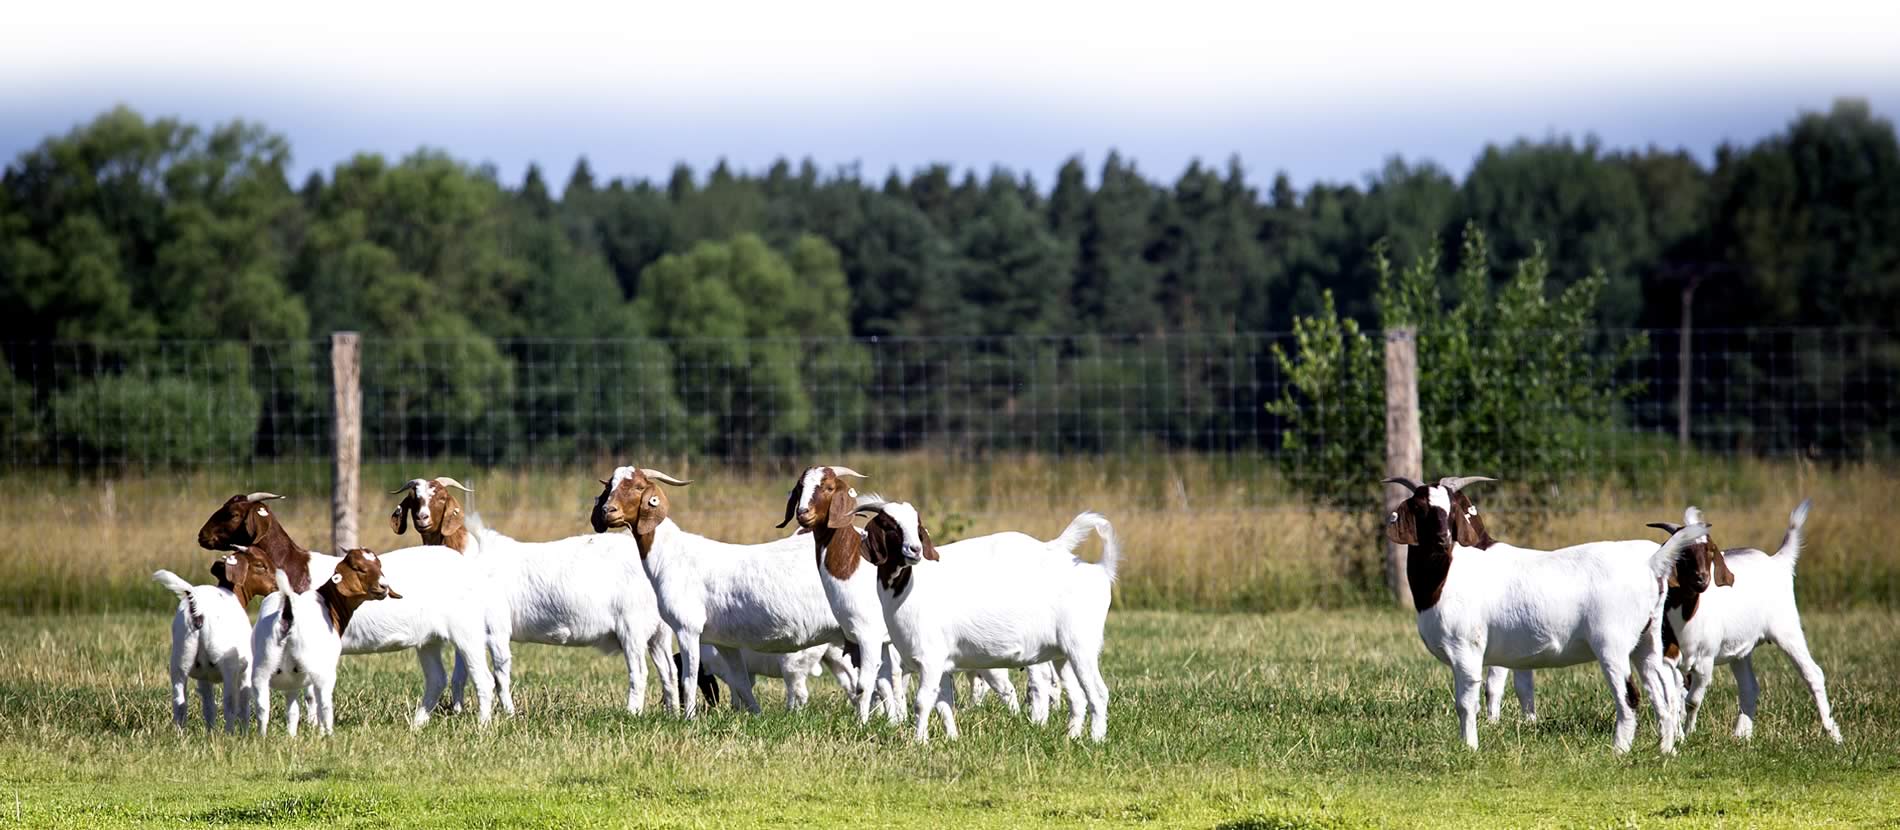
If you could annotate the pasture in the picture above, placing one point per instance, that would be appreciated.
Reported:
(1254, 684)
(1284, 720)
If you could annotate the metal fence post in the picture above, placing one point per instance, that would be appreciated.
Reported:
(1404, 445)
(346, 377)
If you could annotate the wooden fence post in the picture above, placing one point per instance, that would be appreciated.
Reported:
(1683, 364)
(1404, 445)
(346, 379)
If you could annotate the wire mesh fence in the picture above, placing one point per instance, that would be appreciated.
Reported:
(229, 415)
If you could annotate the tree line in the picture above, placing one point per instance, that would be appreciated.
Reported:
(128, 230)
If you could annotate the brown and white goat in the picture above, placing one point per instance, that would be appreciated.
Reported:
(299, 642)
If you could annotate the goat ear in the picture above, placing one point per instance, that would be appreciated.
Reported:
(256, 520)
(1466, 531)
(875, 548)
(1400, 528)
(841, 504)
(1673, 581)
(399, 520)
(649, 517)
(930, 549)
(1723, 576)
(452, 523)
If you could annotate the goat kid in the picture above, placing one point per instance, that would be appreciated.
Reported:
(1723, 603)
(447, 603)
(1523, 609)
(299, 642)
(1002, 601)
(582, 591)
(211, 636)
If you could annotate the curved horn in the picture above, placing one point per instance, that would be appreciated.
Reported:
(1402, 481)
(406, 487)
(1456, 483)
(603, 481)
(449, 482)
(1666, 527)
(663, 478)
(261, 496)
(847, 471)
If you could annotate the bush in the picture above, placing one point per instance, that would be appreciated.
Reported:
(157, 420)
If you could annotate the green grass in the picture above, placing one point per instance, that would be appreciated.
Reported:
(1288, 720)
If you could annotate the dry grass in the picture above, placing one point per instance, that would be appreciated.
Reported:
(1200, 532)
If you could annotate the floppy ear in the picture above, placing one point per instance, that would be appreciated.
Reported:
(930, 549)
(399, 520)
(1673, 581)
(791, 507)
(1400, 528)
(841, 504)
(876, 549)
(1723, 576)
(650, 517)
(452, 523)
(256, 520)
(392, 592)
(1461, 525)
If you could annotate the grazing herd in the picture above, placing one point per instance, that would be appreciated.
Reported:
(873, 604)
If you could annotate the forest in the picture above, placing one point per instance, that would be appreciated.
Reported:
(132, 229)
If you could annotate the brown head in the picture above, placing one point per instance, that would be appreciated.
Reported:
(1701, 564)
(242, 520)
(822, 498)
(245, 572)
(633, 498)
(895, 541)
(358, 579)
(1428, 523)
(437, 514)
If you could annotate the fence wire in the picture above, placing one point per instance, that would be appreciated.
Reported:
(212, 414)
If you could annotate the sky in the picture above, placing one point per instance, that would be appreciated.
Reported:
(1326, 91)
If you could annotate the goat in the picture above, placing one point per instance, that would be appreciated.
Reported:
(1007, 600)
(447, 601)
(793, 667)
(1723, 603)
(762, 597)
(581, 591)
(299, 642)
(1523, 609)
(211, 635)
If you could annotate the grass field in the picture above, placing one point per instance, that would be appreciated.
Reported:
(1287, 720)
(1256, 681)
(1202, 532)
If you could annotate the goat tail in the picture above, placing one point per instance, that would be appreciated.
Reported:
(1791, 543)
(283, 583)
(1078, 531)
(172, 583)
(1664, 558)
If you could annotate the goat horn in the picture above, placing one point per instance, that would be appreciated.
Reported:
(449, 482)
(847, 471)
(603, 481)
(663, 478)
(261, 496)
(1666, 527)
(1456, 483)
(406, 487)
(1402, 481)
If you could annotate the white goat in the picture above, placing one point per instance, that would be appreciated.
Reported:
(211, 636)
(763, 597)
(1522, 609)
(299, 640)
(1723, 603)
(793, 667)
(447, 596)
(822, 503)
(580, 591)
(1007, 600)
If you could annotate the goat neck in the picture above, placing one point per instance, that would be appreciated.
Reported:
(838, 552)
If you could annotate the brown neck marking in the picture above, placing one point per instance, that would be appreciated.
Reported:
(838, 552)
